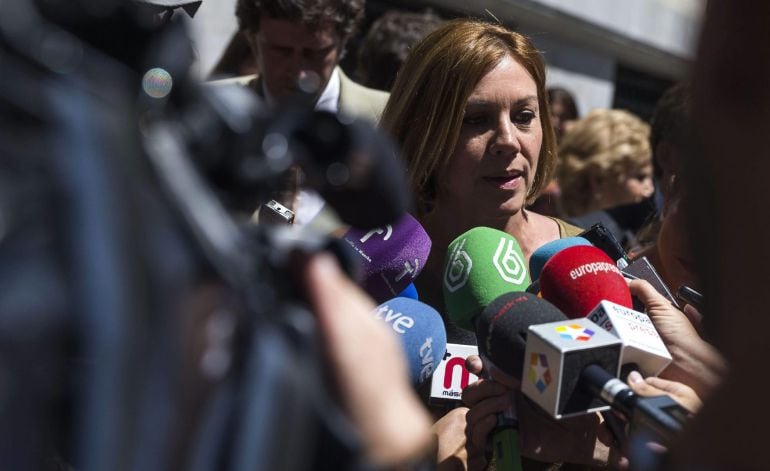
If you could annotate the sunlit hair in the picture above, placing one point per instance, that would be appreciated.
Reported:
(428, 99)
(604, 144)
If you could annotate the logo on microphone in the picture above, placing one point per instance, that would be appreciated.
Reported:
(458, 268)
(539, 373)
(508, 262)
(575, 332)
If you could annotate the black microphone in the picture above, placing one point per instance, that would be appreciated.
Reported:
(602, 238)
(661, 415)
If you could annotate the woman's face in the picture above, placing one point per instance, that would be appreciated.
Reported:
(632, 188)
(674, 247)
(493, 164)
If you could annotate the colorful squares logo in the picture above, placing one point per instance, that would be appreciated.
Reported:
(539, 373)
(575, 332)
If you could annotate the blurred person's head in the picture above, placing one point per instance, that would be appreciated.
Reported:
(387, 44)
(605, 161)
(237, 59)
(676, 262)
(297, 40)
(563, 110)
(470, 113)
(668, 134)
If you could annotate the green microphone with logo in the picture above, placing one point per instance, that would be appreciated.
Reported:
(481, 265)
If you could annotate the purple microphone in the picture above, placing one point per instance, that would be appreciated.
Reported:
(391, 256)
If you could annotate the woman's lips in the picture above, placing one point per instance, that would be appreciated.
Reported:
(506, 182)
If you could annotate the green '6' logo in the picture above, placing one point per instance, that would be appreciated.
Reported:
(508, 262)
(458, 268)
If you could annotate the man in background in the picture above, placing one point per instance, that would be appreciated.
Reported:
(297, 47)
(298, 44)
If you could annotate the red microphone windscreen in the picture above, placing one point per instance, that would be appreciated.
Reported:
(576, 279)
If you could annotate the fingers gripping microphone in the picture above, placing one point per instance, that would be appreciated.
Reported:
(421, 331)
(576, 279)
(480, 265)
(545, 252)
(392, 256)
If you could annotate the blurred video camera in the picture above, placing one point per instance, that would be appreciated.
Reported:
(144, 325)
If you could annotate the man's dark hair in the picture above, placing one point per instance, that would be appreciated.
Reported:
(343, 15)
(670, 120)
(388, 42)
(563, 96)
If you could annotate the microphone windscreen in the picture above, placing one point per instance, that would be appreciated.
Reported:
(480, 265)
(501, 329)
(409, 292)
(421, 331)
(578, 278)
(545, 252)
(391, 256)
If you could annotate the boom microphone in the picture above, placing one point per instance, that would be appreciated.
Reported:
(545, 252)
(392, 256)
(576, 279)
(421, 331)
(480, 265)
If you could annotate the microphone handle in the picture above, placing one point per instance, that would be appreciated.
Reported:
(659, 414)
(505, 443)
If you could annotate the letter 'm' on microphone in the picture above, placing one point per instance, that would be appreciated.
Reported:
(576, 279)
(546, 251)
(451, 376)
(480, 265)
(392, 256)
(421, 331)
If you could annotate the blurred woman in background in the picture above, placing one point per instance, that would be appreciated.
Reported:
(605, 161)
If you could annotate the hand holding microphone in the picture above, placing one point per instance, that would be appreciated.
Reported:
(695, 362)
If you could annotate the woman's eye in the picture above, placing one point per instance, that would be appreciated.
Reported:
(524, 117)
(474, 119)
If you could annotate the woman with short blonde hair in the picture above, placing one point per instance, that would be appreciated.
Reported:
(605, 161)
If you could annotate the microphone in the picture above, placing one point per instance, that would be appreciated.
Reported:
(451, 376)
(545, 252)
(421, 331)
(642, 269)
(570, 371)
(643, 349)
(576, 279)
(480, 265)
(661, 415)
(583, 281)
(409, 292)
(556, 354)
(501, 332)
(501, 329)
(603, 239)
(391, 256)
